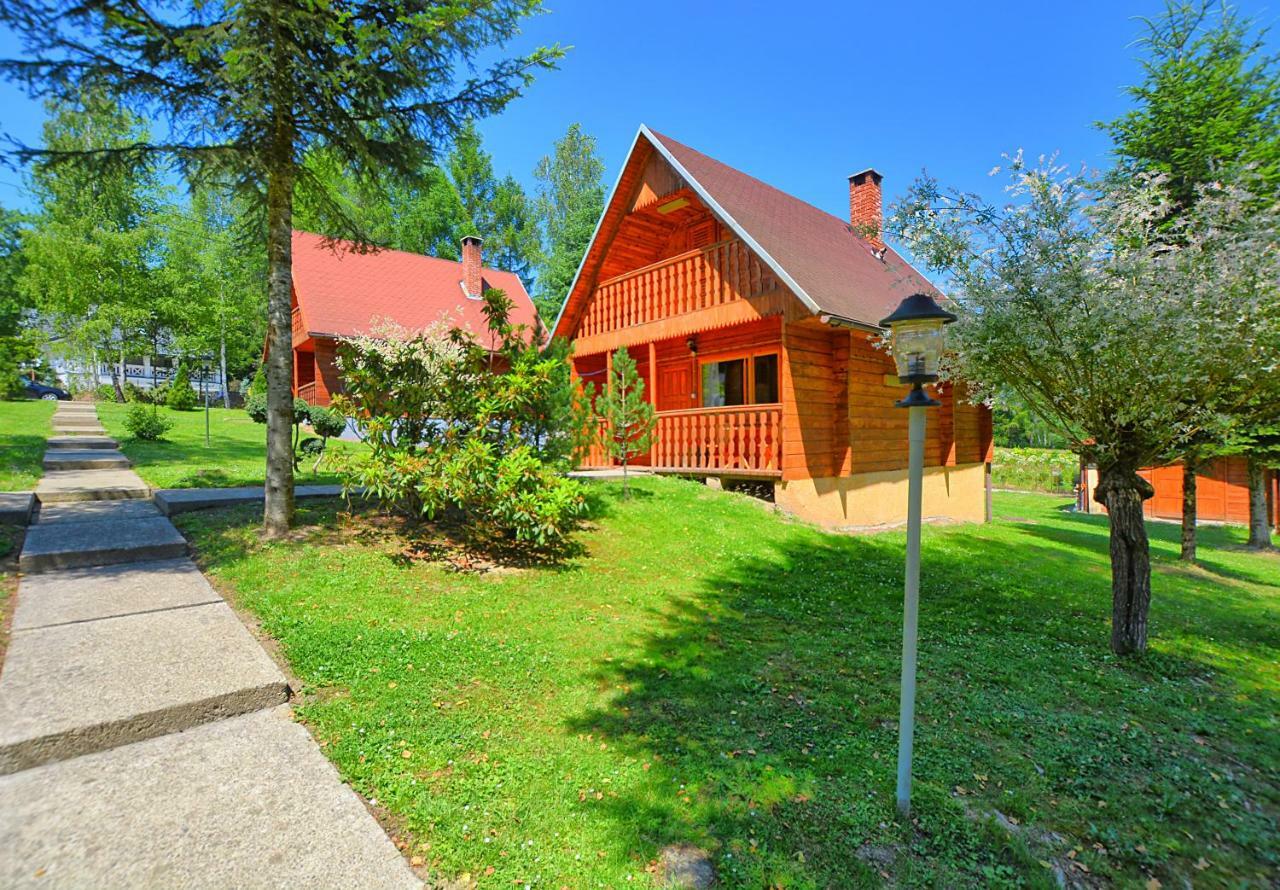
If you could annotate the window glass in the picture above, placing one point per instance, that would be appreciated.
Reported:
(766, 374)
(724, 383)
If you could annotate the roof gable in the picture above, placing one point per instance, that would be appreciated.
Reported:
(343, 292)
(820, 258)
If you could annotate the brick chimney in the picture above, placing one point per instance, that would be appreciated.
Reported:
(471, 266)
(866, 209)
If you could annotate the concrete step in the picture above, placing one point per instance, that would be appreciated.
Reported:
(67, 427)
(173, 501)
(245, 802)
(64, 545)
(16, 507)
(60, 486)
(68, 596)
(81, 441)
(73, 688)
(76, 408)
(87, 459)
(92, 511)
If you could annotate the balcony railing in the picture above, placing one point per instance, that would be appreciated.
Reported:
(741, 440)
(298, 332)
(702, 278)
(307, 392)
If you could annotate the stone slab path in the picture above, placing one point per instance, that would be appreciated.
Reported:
(144, 735)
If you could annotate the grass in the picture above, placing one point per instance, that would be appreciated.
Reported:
(1035, 469)
(24, 427)
(707, 672)
(236, 455)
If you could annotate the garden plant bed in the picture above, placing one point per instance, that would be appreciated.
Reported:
(707, 673)
(236, 455)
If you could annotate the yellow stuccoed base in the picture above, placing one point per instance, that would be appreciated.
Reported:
(879, 500)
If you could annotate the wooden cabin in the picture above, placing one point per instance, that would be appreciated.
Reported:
(753, 318)
(339, 292)
(1222, 492)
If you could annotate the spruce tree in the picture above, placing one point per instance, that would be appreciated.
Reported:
(246, 89)
(628, 416)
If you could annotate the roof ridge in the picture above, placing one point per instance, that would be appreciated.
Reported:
(409, 253)
(773, 188)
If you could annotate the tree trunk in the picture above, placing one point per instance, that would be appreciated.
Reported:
(277, 515)
(1121, 490)
(119, 381)
(222, 342)
(1259, 530)
(1189, 468)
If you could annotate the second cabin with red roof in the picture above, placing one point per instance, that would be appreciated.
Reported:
(339, 291)
(752, 316)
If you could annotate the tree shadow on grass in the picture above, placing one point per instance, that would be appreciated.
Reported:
(769, 700)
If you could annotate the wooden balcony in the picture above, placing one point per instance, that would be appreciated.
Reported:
(307, 392)
(298, 333)
(699, 279)
(743, 440)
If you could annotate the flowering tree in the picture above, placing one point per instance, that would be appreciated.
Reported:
(1126, 329)
(476, 429)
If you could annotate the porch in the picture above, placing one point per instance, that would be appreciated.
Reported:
(716, 396)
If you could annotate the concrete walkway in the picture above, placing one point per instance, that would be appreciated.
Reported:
(145, 739)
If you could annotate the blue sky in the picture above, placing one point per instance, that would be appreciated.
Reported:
(803, 94)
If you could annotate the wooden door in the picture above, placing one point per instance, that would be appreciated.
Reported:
(676, 390)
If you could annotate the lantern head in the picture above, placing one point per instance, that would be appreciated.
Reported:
(916, 331)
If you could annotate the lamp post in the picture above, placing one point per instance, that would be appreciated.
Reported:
(916, 331)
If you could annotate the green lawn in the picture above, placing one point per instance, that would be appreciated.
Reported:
(1035, 469)
(707, 672)
(24, 427)
(236, 454)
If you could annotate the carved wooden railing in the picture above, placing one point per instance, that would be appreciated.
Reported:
(699, 279)
(743, 439)
(298, 333)
(307, 392)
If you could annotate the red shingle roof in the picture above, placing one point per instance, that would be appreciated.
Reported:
(819, 252)
(342, 293)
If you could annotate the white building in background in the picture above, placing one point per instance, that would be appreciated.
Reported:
(142, 371)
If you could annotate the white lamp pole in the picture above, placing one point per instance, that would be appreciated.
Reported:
(916, 327)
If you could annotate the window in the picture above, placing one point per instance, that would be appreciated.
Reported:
(740, 381)
(765, 369)
(724, 383)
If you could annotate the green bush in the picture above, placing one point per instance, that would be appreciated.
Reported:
(146, 423)
(138, 394)
(326, 422)
(453, 437)
(258, 385)
(104, 392)
(180, 396)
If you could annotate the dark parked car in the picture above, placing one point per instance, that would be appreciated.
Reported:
(40, 391)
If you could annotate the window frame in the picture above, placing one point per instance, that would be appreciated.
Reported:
(748, 357)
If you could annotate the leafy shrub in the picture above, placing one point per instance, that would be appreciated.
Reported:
(256, 407)
(180, 396)
(326, 422)
(104, 392)
(137, 394)
(146, 423)
(258, 385)
(455, 433)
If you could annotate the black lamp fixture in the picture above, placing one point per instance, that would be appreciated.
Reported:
(692, 343)
(916, 331)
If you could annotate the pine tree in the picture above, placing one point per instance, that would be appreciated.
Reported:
(628, 416)
(569, 203)
(247, 88)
